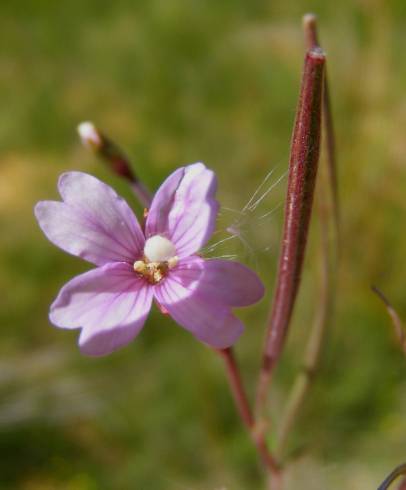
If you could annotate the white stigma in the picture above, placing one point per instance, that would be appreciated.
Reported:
(159, 249)
(89, 135)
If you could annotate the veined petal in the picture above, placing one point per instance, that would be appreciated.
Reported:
(110, 303)
(224, 281)
(209, 320)
(93, 222)
(184, 209)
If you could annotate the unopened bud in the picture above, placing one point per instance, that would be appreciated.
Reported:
(90, 136)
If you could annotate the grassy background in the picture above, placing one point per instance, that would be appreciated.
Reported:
(177, 81)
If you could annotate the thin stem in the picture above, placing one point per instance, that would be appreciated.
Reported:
(302, 176)
(331, 157)
(398, 471)
(309, 23)
(245, 413)
(237, 388)
(311, 39)
(305, 377)
(118, 162)
(396, 321)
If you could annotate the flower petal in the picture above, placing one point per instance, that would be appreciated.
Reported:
(93, 222)
(209, 320)
(224, 281)
(184, 209)
(110, 303)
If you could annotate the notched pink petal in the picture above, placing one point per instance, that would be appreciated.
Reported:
(184, 209)
(103, 342)
(93, 222)
(157, 218)
(224, 281)
(208, 320)
(109, 303)
(231, 282)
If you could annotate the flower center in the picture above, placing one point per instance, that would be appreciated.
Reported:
(159, 249)
(159, 257)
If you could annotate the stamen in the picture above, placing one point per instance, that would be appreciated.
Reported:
(173, 262)
(159, 258)
(140, 266)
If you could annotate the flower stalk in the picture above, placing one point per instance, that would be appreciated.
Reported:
(244, 410)
(118, 162)
(302, 177)
(314, 345)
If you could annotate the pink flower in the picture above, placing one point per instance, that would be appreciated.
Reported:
(111, 302)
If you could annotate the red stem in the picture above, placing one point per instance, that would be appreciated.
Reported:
(115, 158)
(302, 177)
(121, 166)
(236, 386)
(245, 412)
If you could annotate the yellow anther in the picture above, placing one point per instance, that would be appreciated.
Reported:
(173, 262)
(140, 266)
(159, 258)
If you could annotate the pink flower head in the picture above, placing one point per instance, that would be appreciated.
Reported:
(111, 302)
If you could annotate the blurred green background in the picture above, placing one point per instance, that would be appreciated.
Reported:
(176, 81)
